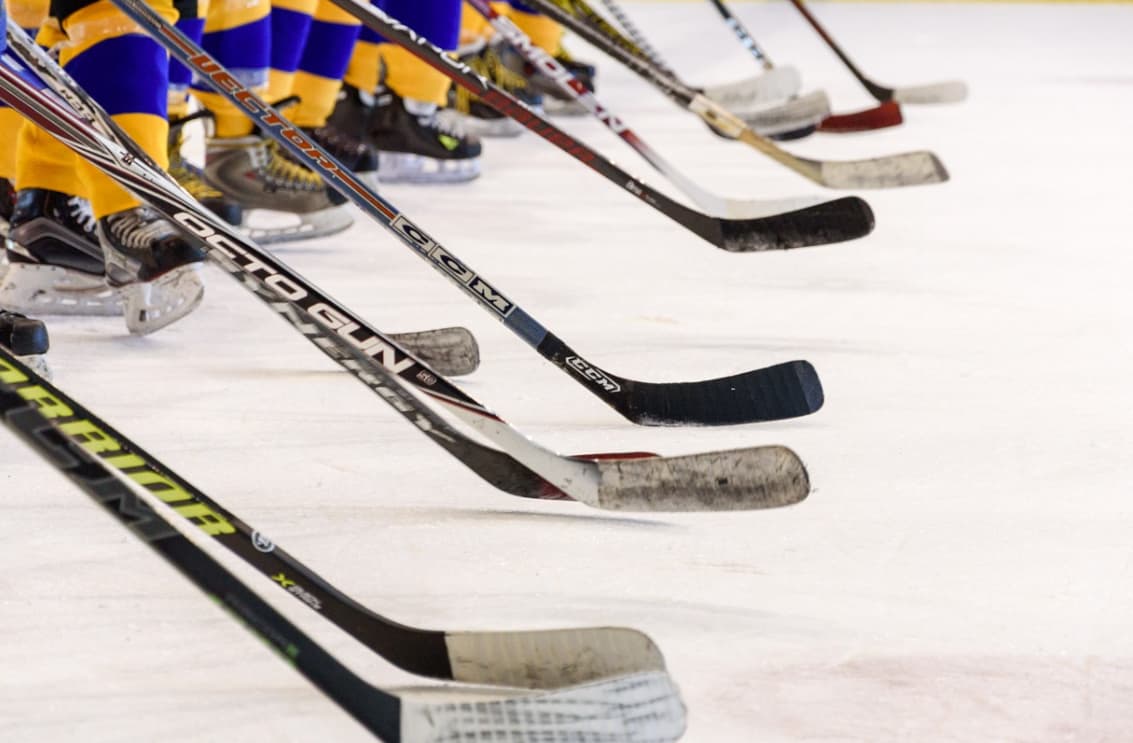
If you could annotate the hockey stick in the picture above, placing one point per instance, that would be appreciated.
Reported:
(806, 226)
(946, 92)
(761, 102)
(752, 478)
(881, 116)
(451, 351)
(907, 169)
(643, 706)
(544, 659)
(740, 398)
(547, 65)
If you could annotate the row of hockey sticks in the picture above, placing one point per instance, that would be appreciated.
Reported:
(759, 477)
(782, 391)
(905, 169)
(547, 65)
(639, 702)
(883, 115)
(770, 104)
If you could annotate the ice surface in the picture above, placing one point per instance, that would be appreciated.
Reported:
(962, 572)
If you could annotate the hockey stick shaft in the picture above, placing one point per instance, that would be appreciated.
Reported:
(742, 33)
(552, 69)
(419, 651)
(360, 349)
(640, 402)
(78, 449)
(879, 92)
(905, 169)
(638, 37)
(760, 477)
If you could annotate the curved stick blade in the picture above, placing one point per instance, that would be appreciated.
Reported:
(952, 91)
(736, 480)
(550, 659)
(822, 224)
(777, 84)
(892, 171)
(788, 390)
(879, 117)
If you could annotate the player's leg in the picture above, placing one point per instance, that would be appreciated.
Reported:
(401, 107)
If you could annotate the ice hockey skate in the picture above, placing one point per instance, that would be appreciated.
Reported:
(280, 200)
(156, 271)
(477, 117)
(415, 145)
(55, 260)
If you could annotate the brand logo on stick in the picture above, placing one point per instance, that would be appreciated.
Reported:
(593, 373)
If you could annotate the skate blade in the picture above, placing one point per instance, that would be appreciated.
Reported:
(268, 227)
(483, 128)
(153, 305)
(402, 167)
(555, 107)
(33, 289)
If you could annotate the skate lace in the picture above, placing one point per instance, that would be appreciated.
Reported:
(452, 126)
(282, 172)
(79, 210)
(138, 228)
(487, 63)
(186, 175)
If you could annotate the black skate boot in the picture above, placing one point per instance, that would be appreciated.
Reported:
(55, 260)
(416, 146)
(282, 200)
(26, 339)
(477, 117)
(348, 147)
(156, 270)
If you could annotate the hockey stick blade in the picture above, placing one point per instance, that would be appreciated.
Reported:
(879, 117)
(952, 91)
(788, 390)
(642, 708)
(745, 479)
(451, 351)
(777, 84)
(843, 219)
(791, 116)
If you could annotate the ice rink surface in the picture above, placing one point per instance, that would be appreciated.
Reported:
(962, 570)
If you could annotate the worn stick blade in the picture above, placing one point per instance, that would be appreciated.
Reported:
(549, 659)
(830, 222)
(736, 480)
(952, 91)
(893, 171)
(777, 84)
(451, 352)
(879, 117)
(789, 116)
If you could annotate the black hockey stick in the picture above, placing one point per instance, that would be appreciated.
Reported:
(551, 68)
(946, 92)
(907, 169)
(80, 450)
(762, 477)
(535, 659)
(878, 117)
(783, 391)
